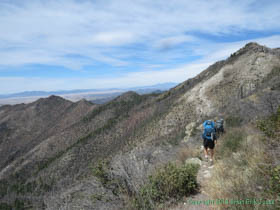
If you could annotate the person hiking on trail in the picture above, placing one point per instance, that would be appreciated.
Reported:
(220, 126)
(209, 138)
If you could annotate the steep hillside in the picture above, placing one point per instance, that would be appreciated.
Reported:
(25, 126)
(56, 154)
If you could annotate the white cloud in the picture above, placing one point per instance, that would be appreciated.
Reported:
(148, 77)
(94, 29)
(113, 38)
(170, 42)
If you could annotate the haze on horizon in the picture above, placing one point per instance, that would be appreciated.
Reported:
(85, 44)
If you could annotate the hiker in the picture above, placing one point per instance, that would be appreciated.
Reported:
(219, 127)
(209, 138)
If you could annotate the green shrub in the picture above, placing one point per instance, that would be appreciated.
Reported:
(171, 181)
(3, 188)
(271, 125)
(267, 126)
(30, 187)
(96, 197)
(100, 170)
(5, 206)
(274, 185)
(18, 188)
(18, 204)
(275, 181)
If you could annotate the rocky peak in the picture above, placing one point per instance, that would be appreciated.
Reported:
(250, 49)
(253, 47)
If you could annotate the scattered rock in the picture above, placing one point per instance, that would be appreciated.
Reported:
(189, 130)
(194, 161)
(206, 174)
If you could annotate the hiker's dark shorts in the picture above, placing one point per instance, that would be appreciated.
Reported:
(207, 143)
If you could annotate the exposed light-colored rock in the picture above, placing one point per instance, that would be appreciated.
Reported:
(194, 161)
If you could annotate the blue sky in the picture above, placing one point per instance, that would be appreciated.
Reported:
(81, 44)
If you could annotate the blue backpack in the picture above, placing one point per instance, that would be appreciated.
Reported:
(208, 130)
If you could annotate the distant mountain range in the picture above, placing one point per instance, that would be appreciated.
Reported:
(162, 86)
(94, 95)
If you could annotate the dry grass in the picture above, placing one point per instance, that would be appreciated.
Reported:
(243, 173)
(187, 152)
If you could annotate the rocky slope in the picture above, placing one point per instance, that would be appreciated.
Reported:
(51, 148)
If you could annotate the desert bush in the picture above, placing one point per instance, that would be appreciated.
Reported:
(99, 197)
(5, 206)
(3, 188)
(271, 125)
(243, 171)
(100, 170)
(274, 184)
(171, 181)
(18, 204)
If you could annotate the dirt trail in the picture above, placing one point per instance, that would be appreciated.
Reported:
(194, 202)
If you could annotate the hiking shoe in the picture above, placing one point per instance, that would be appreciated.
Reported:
(211, 160)
(206, 157)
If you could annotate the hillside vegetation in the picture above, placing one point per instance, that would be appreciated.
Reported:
(248, 165)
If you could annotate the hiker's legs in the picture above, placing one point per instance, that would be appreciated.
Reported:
(205, 152)
(211, 147)
(212, 153)
(205, 145)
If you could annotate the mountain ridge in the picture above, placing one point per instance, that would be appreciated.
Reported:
(133, 133)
